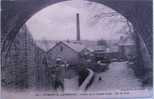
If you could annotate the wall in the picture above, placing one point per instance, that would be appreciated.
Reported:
(67, 54)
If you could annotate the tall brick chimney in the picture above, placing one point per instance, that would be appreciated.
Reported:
(77, 27)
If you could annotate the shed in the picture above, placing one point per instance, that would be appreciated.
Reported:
(69, 52)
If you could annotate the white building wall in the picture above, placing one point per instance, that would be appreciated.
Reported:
(65, 52)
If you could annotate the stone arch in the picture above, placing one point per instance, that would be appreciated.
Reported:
(16, 13)
(139, 12)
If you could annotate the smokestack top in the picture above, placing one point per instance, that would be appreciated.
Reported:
(77, 14)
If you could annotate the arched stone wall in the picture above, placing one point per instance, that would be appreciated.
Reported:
(15, 13)
(139, 12)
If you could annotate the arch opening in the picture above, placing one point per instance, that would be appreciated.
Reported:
(39, 43)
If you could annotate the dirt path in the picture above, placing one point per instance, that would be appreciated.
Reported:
(119, 76)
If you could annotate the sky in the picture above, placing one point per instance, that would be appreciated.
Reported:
(58, 22)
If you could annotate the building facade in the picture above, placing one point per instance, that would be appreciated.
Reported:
(68, 52)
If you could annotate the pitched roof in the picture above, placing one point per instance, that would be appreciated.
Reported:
(77, 46)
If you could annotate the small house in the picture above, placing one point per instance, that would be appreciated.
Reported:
(68, 52)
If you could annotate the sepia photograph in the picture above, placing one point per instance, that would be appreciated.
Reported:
(58, 48)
